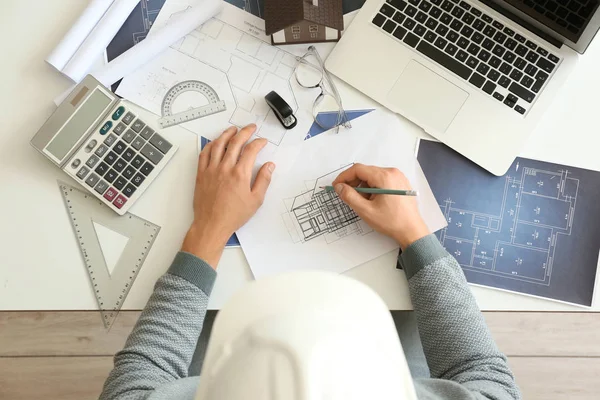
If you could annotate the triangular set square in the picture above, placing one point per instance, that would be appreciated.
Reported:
(113, 247)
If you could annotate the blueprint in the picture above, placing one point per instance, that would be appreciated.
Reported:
(230, 54)
(534, 230)
(138, 24)
(328, 118)
(135, 28)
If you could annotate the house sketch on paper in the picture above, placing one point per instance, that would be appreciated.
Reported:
(519, 242)
(317, 213)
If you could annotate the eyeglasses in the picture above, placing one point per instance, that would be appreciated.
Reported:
(310, 73)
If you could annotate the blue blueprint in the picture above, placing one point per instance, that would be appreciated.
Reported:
(135, 28)
(534, 230)
(329, 118)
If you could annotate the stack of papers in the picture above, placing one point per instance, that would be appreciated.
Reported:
(301, 226)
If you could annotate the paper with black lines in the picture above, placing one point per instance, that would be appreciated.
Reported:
(300, 226)
(158, 40)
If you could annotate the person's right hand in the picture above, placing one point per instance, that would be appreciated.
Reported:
(394, 216)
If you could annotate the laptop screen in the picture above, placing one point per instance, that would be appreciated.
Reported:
(573, 22)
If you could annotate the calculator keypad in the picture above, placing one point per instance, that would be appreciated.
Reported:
(120, 164)
(147, 133)
(138, 125)
(110, 140)
(111, 176)
(83, 171)
(122, 160)
(128, 172)
(147, 168)
(120, 183)
(119, 147)
(138, 143)
(128, 118)
(110, 158)
(110, 194)
(119, 129)
(129, 136)
(138, 161)
(92, 161)
(101, 150)
(138, 179)
(101, 169)
(128, 154)
(92, 180)
(160, 143)
(152, 154)
(120, 201)
(129, 190)
(101, 187)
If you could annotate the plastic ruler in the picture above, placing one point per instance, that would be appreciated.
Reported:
(110, 286)
(215, 105)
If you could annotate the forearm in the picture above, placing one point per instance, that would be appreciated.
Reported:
(162, 343)
(457, 343)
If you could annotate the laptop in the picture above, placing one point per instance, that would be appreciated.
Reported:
(476, 75)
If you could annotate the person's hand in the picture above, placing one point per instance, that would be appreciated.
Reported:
(224, 198)
(394, 216)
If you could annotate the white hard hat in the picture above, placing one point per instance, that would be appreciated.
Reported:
(305, 336)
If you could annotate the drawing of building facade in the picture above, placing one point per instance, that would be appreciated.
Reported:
(318, 213)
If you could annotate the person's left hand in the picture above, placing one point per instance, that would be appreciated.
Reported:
(224, 198)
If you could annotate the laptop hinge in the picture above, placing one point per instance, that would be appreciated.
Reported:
(520, 21)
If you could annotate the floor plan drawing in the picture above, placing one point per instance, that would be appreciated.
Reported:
(138, 24)
(253, 68)
(529, 231)
(232, 55)
(520, 240)
(318, 213)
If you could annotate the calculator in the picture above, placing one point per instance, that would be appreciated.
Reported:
(107, 148)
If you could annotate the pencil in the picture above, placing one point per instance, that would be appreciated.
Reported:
(377, 191)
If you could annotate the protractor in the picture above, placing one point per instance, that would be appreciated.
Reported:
(214, 105)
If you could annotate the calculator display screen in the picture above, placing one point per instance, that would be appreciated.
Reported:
(87, 114)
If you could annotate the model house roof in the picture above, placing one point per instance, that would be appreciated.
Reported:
(279, 14)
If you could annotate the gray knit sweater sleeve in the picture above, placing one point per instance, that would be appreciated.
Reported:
(162, 343)
(464, 360)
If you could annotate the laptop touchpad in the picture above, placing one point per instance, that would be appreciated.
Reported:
(426, 97)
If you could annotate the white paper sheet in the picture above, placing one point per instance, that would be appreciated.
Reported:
(69, 44)
(231, 55)
(157, 41)
(313, 236)
(97, 40)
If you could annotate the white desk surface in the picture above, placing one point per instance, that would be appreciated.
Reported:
(40, 265)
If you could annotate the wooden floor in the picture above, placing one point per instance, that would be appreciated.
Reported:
(67, 355)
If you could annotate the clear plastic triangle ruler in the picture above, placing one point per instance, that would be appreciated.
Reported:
(134, 236)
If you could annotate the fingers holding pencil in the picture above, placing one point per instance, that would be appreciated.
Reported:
(396, 215)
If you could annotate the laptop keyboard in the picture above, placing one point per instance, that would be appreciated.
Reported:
(572, 15)
(472, 45)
